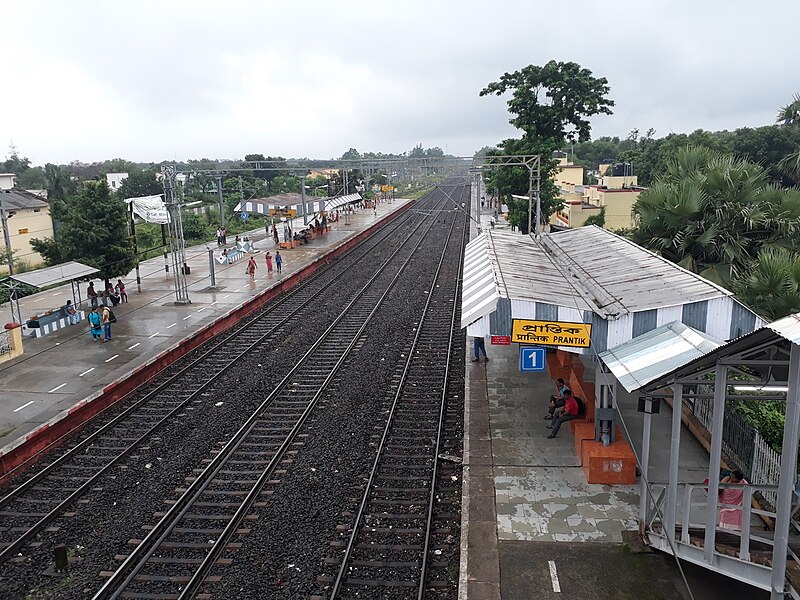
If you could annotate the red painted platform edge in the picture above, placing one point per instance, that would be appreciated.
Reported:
(19, 454)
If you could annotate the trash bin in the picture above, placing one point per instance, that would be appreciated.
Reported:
(187, 270)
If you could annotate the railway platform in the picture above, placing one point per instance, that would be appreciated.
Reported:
(62, 374)
(532, 527)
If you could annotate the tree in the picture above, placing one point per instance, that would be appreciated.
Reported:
(94, 232)
(550, 105)
(138, 184)
(771, 284)
(790, 114)
(712, 213)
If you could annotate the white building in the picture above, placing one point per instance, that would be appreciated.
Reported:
(7, 181)
(115, 180)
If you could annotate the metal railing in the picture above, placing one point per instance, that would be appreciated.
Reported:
(744, 445)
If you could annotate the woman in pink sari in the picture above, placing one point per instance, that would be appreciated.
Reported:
(731, 518)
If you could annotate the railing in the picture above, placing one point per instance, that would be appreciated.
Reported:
(760, 464)
(5, 343)
(695, 495)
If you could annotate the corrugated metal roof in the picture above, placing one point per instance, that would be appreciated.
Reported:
(592, 269)
(788, 328)
(15, 199)
(337, 201)
(655, 353)
(479, 293)
(631, 276)
(58, 274)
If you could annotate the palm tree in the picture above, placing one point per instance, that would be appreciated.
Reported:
(711, 213)
(772, 284)
(789, 115)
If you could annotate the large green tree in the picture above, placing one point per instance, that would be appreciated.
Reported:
(551, 105)
(139, 183)
(94, 231)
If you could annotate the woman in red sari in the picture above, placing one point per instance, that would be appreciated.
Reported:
(731, 518)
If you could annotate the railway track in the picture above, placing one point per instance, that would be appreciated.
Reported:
(390, 549)
(175, 558)
(53, 490)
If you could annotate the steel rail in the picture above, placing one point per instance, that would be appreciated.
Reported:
(116, 585)
(339, 581)
(12, 547)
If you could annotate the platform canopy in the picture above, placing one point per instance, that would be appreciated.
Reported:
(41, 278)
(654, 354)
(590, 275)
(339, 201)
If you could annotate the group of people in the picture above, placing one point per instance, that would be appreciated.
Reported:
(100, 320)
(564, 406)
(112, 294)
(222, 236)
(251, 264)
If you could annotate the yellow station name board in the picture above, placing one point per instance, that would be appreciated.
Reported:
(282, 212)
(551, 333)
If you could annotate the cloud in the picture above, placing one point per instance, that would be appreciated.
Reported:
(154, 80)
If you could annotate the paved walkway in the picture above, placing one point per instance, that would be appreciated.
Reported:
(530, 521)
(61, 369)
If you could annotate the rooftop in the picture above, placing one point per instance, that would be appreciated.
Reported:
(17, 199)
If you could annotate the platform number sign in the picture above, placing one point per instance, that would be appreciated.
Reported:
(531, 359)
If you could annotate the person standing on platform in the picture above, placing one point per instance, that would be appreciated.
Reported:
(251, 268)
(95, 323)
(268, 259)
(106, 320)
(121, 291)
(478, 347)
(278, 261)
(275, 233)
(91, 294)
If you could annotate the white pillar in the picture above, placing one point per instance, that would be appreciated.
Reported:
(674, 456)
(791, 433)
(720, 387)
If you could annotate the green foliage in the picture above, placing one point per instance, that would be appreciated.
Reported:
(193, 227)
(771, 284)
(790, 114)
(718, 215)
(94, 232)
(766, 417)
(32, 179)
(549, 104)
(553, 102)
(138, 184)
(599, 219)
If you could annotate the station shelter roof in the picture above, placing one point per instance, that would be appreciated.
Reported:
(41, 278)
(589, 275)
(756, 345)
(335, 202)
(655, 353)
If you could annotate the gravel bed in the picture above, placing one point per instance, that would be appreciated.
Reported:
(283, 555)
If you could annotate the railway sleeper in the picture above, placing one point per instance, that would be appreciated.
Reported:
(167, 545)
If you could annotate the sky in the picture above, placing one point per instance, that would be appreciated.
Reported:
(174, 80)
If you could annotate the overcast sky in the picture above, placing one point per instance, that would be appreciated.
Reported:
(149, 81)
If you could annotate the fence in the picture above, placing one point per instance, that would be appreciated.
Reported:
(760, 464)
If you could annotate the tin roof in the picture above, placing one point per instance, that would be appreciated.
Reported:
(587, 268)
(69, 271)
(655, 353)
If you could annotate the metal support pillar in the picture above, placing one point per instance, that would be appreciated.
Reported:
(221, 202)
(786, 483)
(164, 247)
(720, 389)
(135, 249)
(177, 244)
(6, 237)
(211, 267)
(303, 195)
(671, 508)
(604, 430)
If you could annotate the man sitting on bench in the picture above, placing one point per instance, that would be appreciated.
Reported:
(568, 413)
(559, 400)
